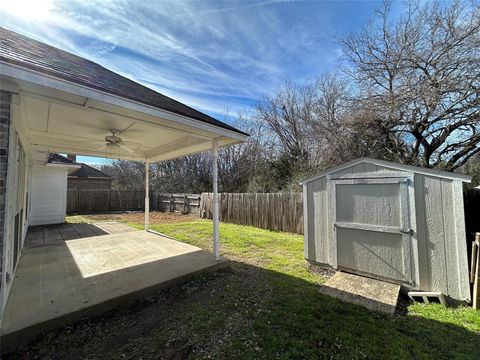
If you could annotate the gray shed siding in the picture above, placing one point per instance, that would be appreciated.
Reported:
(316, 228)
(438, 245)
(441, 236)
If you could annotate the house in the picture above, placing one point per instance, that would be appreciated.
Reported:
(52, 101)
(394, 222)
(88, 177)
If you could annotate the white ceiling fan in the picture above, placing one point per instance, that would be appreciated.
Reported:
(112, 141)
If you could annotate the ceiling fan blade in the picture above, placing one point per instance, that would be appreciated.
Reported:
(125, 129)
(126, 148)
(101, 147)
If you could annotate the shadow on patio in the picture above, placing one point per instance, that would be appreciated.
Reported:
(56, 285)
(44, 235)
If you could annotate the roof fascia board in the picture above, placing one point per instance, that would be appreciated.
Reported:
(402, 167)
(66, 166)
(169, 156)
(331, 170)
(78, 151)
(38, 78)
(9, 86)
(420, 170)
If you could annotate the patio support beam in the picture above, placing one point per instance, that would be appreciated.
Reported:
(216, 217)
(147, 196)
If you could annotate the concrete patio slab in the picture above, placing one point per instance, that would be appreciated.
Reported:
(375, 295)
(56, 285)
(46, 235)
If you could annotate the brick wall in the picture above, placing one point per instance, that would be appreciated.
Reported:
(5, 98)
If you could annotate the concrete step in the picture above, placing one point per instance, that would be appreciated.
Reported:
(375, 295)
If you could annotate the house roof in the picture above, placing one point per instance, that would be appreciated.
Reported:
(31, 54)
(57, 159)
(83, 170)
(87, 171)
(392, 165)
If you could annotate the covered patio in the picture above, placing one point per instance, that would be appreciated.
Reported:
(63, 281)
(65, 104)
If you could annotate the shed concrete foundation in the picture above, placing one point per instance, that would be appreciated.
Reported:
(375, 295)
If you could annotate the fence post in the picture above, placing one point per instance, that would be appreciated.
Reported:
(185, 204)
(476, 272)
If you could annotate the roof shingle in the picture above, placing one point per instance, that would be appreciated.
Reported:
(87, 171)
(28, 53)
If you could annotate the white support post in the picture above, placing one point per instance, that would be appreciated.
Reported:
(216, 217)
(147, 196)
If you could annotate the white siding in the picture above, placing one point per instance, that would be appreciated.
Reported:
(49, 189)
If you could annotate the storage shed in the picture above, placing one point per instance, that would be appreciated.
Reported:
(395, 222)
(49, 190)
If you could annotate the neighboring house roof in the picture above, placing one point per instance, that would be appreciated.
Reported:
(83, 170)
(393, 165)
(28, 53)
(87, 171)
(57, 159)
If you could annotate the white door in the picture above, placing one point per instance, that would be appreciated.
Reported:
(371, 227)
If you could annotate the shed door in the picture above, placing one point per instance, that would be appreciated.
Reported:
(371, 227)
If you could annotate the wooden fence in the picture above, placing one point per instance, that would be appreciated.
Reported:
(184, 203)
(103, 201)
(98, 201)
(273, 211)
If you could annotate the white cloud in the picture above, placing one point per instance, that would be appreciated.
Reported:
(208, 55)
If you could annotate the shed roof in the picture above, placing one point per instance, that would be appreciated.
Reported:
(31, 54)
(393, 165)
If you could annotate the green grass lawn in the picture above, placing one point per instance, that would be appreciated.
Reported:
(289, 318)
(267, 305)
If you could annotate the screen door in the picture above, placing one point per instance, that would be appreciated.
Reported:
(371, 227)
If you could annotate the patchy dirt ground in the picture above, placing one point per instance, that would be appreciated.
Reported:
(163, 326)
(156, 217)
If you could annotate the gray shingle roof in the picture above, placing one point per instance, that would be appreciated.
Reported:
(87, 171)
(28, 53)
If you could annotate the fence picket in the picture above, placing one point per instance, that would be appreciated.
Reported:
(273, 211)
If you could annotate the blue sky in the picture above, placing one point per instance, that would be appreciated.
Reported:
(214, 56)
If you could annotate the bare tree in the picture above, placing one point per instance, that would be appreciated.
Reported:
(420, 76)
(318, 124)
(129, 175)
(240, 164)
(286, 114)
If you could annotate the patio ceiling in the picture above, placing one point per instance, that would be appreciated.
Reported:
(67, 118)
